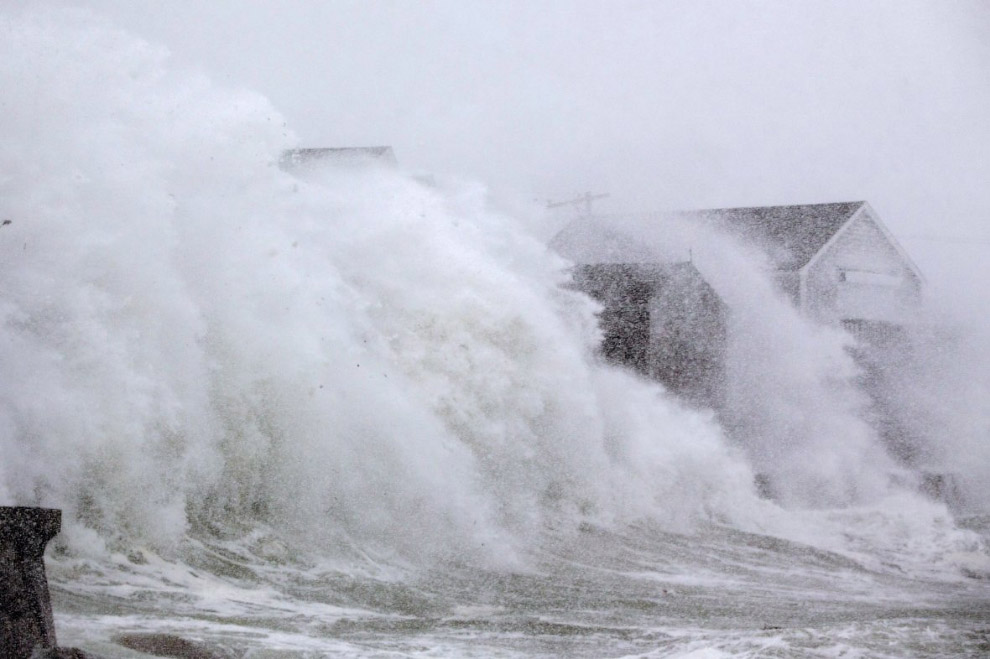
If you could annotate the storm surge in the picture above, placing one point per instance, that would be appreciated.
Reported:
(200, 348)
(195, 338)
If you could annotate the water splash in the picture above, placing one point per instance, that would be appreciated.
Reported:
(195, 337)
(295, 411)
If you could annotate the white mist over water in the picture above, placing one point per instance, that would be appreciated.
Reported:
(793, 396)
(199, 346)
(194, 333)
(792, 399)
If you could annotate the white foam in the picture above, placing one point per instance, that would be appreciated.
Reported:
(197, 343)
(193, 336)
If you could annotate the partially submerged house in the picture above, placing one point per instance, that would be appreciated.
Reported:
(836, 262)
(659, 317)
(663, 320)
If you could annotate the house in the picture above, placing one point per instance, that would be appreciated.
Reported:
(664, 321)
(840, 265)
(659, 316)
(301, 159)
(836, 262)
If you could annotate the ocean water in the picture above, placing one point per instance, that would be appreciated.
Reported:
(342, 412)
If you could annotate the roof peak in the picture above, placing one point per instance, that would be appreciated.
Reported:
(826, 204)
(791, 235)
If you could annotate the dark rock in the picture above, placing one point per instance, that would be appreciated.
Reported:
(26, 621)
(167, 645)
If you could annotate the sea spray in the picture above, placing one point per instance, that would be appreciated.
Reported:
(935, 392)
(352, 358)
(792, 401)
(350, 412)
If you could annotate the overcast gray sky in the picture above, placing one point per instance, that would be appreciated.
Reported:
(663, 104)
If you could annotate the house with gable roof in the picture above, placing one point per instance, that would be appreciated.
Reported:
(836, 262)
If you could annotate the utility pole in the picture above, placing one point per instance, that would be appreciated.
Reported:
(586, 199)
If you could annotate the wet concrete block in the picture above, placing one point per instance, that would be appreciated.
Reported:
(26, 621)
(62, 653)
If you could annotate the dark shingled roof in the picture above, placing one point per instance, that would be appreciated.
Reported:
(791, 235)
(339, 155)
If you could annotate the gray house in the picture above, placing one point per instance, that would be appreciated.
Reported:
(659, 317)
(664, 321)
(836, 262)
(840, 265)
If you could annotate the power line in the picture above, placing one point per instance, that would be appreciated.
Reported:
(584, 200)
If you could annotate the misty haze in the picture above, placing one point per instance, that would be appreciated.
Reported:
(509, 329)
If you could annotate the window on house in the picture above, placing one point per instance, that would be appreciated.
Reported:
(851, 276)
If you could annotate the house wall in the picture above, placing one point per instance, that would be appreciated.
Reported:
(789, 284)
(624, 319)
(861, 276)
(688, 339)
(666, 323)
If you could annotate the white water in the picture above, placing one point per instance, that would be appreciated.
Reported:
(266, 401)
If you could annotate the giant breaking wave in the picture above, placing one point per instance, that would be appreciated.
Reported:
(195, 342)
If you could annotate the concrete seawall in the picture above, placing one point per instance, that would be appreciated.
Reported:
(26, 620)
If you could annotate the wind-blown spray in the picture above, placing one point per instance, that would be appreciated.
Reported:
(196, 338)
(281, 410)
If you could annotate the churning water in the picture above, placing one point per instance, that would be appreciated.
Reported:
(345, 412)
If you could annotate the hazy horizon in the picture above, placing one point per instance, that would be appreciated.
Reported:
(662, 105)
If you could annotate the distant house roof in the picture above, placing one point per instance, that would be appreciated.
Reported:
(339, 155)
(791, 235)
